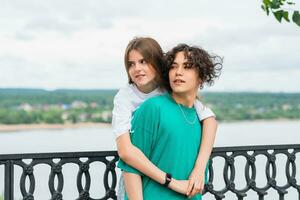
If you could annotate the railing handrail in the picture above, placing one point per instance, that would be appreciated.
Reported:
(57, 155)
(114, 153)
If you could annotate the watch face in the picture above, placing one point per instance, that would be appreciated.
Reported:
(168, 179)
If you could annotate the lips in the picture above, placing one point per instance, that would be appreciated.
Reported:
(139, 75)
(178, 81)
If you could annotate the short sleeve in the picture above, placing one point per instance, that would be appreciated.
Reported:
(121, 114)
(203, 112)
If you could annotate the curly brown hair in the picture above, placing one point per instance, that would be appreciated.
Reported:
(208, 66)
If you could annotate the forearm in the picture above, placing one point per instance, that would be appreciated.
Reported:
(140, 162)
(133, 186)
(134, 157)
(208, 138)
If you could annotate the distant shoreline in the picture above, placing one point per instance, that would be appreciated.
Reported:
(259, 121)
(24, 127)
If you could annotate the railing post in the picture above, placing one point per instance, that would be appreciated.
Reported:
(9, 181)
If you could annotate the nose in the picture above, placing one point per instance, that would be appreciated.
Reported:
(138, 66)
(179, 70)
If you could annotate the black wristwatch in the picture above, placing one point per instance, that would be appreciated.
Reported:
(168, 179)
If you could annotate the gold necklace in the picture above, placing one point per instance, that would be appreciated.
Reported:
(185, 117)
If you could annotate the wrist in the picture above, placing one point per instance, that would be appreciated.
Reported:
(172, 184)
(168, 179)
(199, 167)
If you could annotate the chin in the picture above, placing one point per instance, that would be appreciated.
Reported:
(177, 90)
(140, 83)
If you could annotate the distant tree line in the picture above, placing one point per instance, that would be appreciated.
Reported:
(253, 106)
(27, 106)
(13, 97)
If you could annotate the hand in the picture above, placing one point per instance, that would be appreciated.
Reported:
(196, 183)
(179, 186)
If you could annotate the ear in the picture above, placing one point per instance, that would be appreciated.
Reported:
(200, 82)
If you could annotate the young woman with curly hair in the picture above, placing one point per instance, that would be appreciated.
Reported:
(143, 79)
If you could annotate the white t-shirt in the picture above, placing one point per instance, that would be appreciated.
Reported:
(128, 99)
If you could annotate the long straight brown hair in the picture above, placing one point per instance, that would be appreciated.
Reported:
(152, 53)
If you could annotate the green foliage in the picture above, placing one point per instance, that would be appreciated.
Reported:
(296, 18)
(46, 106)
(250, 106)
(53, 117)
(281, 9)
(1, 197)
(12, 97)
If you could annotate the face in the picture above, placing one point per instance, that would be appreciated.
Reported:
(141, 72)
(184, 79)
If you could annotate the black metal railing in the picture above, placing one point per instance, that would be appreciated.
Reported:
(109, 158)
(250, 153)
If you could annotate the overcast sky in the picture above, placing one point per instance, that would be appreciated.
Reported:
(80, 44)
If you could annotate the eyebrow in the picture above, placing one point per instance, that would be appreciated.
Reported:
(138, 60)
(177, 63)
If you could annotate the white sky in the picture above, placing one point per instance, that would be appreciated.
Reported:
(54, 44)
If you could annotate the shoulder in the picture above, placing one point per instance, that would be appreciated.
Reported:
(198, 104)
(202, 110)
(157, 100)
(125, 91)
(124, 95)
(154, 103)
(148, 113)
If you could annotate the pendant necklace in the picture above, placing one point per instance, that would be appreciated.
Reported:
(185, 117)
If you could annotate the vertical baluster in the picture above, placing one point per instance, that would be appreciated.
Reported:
(261, 197)
(281, 196)
(9, 181)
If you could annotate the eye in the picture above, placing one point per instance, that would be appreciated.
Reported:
(188, 65)
(172, 66)
(130, 64)
(143, 61)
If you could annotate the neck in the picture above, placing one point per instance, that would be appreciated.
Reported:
(185, 99)
(147, 88)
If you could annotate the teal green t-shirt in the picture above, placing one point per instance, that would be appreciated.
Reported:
(169, 134)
